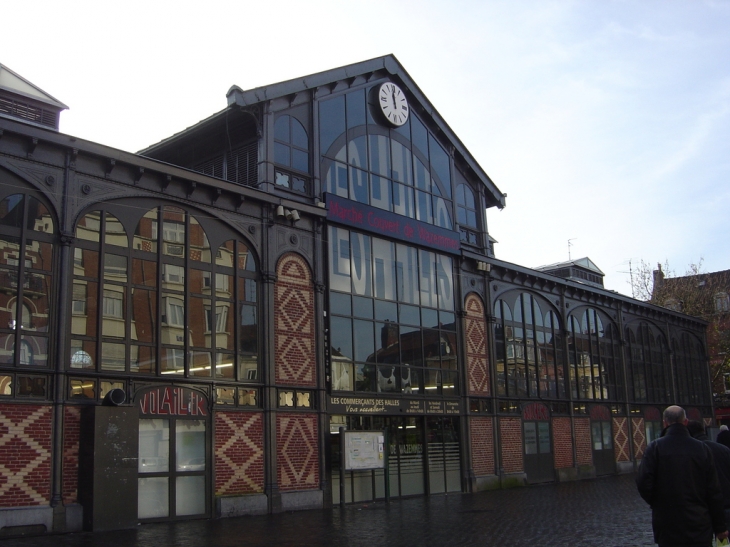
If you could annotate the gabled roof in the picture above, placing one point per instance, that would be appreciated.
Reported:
(238, 97)
(584, 262)
(14, 83)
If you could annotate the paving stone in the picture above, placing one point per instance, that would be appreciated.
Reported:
(605, 512)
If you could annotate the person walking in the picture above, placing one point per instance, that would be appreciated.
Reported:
(721, 456)
(677, 478)
(723, 437)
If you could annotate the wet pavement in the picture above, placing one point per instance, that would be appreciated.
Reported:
(606, 512)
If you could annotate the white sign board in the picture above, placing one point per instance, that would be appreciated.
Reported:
(364, 450)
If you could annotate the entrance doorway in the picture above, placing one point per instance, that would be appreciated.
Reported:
(539, 465)
(423, 457)
(604, 459)
(173, 464)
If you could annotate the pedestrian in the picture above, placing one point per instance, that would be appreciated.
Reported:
(721, 456)
(723, 437)
(677, 478)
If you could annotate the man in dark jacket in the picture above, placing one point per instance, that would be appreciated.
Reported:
(721, 455)
(677, 478)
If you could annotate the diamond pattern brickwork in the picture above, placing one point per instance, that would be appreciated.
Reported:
(294, 323)
(25, 455)
(621, 439)
(639, 437)
(477, 360)
(239, 453)
(297, 455)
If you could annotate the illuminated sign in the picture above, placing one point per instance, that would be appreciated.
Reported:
(172, 401)
(372, 219)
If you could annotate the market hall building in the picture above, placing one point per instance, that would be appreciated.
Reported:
(193, 327)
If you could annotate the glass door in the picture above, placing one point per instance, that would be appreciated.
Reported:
(444, 466)
(538, 452)
(603, 456)
(172, 469)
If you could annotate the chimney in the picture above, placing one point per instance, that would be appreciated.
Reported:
(389, 334)
(658, 278)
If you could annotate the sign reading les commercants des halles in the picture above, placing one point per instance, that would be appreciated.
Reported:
(172, 401)
(364, 404)
(372, 219)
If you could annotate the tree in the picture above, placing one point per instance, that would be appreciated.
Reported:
(697, 293)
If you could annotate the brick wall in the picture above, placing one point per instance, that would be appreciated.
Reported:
(239, 453)
(637, 425)
(562, 443)
(297, 452)
(25, 455)
(71, 421)
(510, 430)
(621, 439)
(294, 323)
(482, 446)
(477, 359)
(583, 447)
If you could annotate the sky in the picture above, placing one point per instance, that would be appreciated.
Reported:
(606, 122)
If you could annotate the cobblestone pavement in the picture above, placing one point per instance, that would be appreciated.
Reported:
(601, 512)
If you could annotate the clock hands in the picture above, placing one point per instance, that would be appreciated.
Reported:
(393, 104)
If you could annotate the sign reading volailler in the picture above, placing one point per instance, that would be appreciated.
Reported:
(406, 229)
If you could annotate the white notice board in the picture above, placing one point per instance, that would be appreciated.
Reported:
(364, 450)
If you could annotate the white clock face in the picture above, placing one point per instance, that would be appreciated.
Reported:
(393, 103)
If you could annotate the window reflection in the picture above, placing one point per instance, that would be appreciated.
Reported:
(26, 258)
(527, 347)
(375, 342)
(384, 166)
(197, 329)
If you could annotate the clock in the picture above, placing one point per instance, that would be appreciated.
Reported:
(393, 104)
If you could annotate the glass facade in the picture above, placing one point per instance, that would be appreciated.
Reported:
(392, 320)
(26, 283)
(594, 356)
(159, 299)
(528, 348)
(690, 370)
(647, 357)
(405, 170)
(291, 154)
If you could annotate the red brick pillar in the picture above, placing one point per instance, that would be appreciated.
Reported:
(510, 432)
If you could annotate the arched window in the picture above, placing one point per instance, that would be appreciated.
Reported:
(647, 356)
(593, 354)
(690, 369)
(404, 170)
(151, 295)
(528, 348)
(26, 258)
(291, 151)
